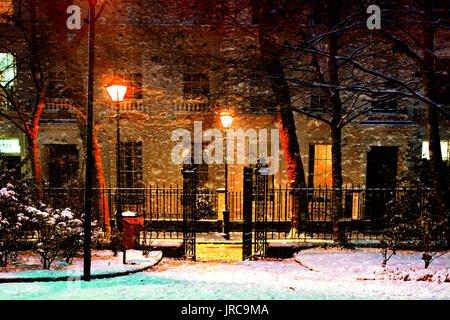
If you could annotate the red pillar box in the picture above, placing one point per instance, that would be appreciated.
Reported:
(132, 226)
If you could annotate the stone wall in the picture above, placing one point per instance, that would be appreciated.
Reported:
(156, 42)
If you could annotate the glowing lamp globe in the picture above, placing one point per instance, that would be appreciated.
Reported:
(116, 89)
(226, 120)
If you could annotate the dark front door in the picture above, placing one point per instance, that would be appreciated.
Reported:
(381, 176)
(382, 167)
(62, 164)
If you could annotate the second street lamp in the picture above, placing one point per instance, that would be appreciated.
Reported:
(116, 90)
(226, 120)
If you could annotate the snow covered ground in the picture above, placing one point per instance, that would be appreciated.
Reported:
(103, 262)
(336, 278)
(366, 264)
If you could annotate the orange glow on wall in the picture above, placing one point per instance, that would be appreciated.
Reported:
(6, 9)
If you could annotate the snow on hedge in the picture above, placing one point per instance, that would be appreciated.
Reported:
(366, 264)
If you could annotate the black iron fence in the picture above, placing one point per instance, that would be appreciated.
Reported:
(363, 209)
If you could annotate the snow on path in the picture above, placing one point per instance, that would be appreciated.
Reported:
(103, 262)
(273, 280)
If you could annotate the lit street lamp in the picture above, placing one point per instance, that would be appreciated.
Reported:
(226, 120)
(116, 90)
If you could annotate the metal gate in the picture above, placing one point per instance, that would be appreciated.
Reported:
(255, 190)
(247, 214)
(190, 182)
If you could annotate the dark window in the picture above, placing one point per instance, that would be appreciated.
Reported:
(440, 11)
(442, 69)
(384, 103)
(254, 12)
(261, 105)
(318, 15)
(131, 165)
(320, 104)
(62, 163)
(195, 85)
(386, 106)
(55, 83)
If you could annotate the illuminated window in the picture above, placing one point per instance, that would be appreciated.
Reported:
(320, 172)
(7, 70)
(445, 150)
(6, 10)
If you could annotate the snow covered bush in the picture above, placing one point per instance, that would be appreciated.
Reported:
(17, 191)
(14, 220)
(23, 217)
(412, 218)
(415, 225)
(58, 232)
(9, 224)
(72, 237)
(48, 232)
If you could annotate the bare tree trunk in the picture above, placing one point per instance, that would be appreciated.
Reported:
(33, 146)
(288, 133)
(336, 132)
(100, 184)
(437, 167)
(101, 209)
(336, 168)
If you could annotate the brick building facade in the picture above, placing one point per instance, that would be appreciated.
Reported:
(179, 63)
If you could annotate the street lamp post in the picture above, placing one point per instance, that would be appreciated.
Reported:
(89, 147)
(226, 120)
(116, 90)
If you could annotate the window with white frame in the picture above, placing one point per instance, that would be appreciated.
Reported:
(445, 150)
(7, 70)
